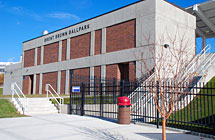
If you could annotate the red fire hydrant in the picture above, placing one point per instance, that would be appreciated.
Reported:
(124, 110)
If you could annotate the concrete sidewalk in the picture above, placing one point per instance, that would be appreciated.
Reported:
(72, 127)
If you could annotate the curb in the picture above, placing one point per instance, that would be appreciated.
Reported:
(178, 130)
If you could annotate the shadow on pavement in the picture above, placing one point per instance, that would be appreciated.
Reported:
(105, 119)
(170, 136)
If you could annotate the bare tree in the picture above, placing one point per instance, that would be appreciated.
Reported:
(174, 66)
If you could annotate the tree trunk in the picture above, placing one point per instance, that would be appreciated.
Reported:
(164, 128)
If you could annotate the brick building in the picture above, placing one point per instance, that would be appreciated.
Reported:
(104, 46)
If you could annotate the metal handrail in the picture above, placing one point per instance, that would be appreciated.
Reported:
(196, 62)
(139, 88)
(205, 66)
(60, 102)
(14, 92)
(190, 68)
(137, 92)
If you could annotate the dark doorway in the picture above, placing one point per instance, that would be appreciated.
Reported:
(124, 71)
(31, 83)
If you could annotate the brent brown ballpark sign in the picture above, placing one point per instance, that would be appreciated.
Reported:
(69, 32)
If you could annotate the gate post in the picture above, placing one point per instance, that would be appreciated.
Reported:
(94, 89)
(82, 98)
(114, 91)
(101, 100)
(70, 92)
(122, 88)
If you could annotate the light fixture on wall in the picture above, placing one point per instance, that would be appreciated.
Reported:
(166, 45)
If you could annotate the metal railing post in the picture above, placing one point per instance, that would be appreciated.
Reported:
(12, 88)
(158, 103)
(94, 89)
(122, 87)
(47, 91)
(14, 91)
(101, 99)
(114, 91)
(70, 93)
(82, 98)
(59, 102)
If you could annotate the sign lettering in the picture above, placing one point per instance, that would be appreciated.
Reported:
(66, 33)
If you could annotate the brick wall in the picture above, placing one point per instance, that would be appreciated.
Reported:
(64, 47)
(80, 46)
(122, 71)
(29, 56)
(82, 74)
(63, 80)
(112, 71)
(51, 53)
(26, 85)
(83, 71)
(98, 41)
(37, 83)
(38, 55)
(121, 36)
(132, 71)
(49, 78)
(97, 71)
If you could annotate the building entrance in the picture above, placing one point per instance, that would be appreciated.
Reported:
(31, 84)
(124, 71)
(28, 84)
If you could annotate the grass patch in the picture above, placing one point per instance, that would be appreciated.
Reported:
(43, 95)
(7, 110)
(3, 96)
(198, 114)
(202, 106)
(31, 96)
(89, 100)
(1, 91)
(93, 100)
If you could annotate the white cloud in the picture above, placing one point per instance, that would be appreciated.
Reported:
(21, 11)
(35, 16)
(62, 15)
(17, 9)
(11, 59)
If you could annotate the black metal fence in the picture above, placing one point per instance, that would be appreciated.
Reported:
(98, 97)
(194, 111)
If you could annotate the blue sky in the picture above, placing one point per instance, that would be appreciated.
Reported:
(21, 20)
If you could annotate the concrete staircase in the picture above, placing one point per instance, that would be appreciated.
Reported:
(142, 102)
(35, 106)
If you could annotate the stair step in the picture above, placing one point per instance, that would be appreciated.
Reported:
(36, 106)
(40, 105)
(41, 112)
(45, 109)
